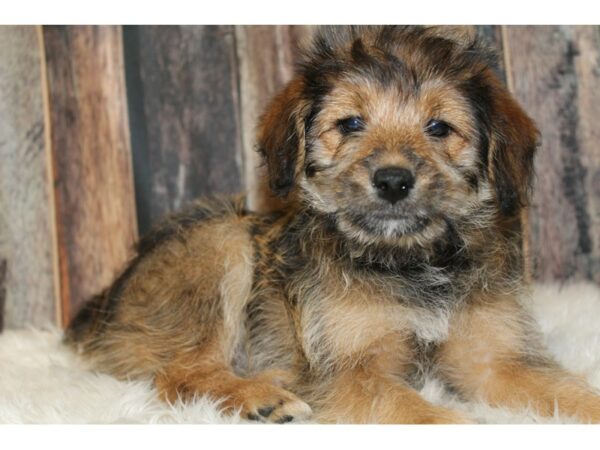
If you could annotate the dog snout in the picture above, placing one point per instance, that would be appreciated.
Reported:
(393, 183)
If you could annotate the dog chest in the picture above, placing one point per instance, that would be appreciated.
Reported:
(350, 325)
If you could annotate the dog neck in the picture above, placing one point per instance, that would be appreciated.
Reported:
(444, 268)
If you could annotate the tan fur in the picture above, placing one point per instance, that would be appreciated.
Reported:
(371, 391)
(209, 373)
(344, 300)
(484, 360)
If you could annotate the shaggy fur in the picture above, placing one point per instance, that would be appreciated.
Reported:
(41, 381)
(405, 164)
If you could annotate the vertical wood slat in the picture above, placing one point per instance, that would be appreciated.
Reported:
(183, 104)
(587, 68)
(27, 279)
(556, 76)
(95, 210)
(266, 55)
(3, 265)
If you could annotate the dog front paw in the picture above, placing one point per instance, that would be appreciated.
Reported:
(263, 402)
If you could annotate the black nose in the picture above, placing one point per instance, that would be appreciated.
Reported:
(393, 183)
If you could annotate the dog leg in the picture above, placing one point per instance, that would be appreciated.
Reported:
(261, 398)
(492, 355)
(364, 395)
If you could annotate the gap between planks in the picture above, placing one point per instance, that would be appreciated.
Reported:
(50, 171)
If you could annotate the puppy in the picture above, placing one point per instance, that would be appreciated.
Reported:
(405, 164)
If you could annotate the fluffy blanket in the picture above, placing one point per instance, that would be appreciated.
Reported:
(41, 381)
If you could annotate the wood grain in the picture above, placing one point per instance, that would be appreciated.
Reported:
(587, 67)
(266, 55)
(27, 285)
(183, 103)
(556, 76)
(3, 265)
(96, 220)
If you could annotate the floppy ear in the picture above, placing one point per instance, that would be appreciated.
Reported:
(512, 144)
(281, 137)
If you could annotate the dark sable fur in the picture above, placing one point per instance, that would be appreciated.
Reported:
(100, 310)
(479, 95)
(438, 278)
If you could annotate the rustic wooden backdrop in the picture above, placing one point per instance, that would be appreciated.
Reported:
(105, 129)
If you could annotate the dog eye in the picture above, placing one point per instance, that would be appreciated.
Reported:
(350, 125)
(438, 128)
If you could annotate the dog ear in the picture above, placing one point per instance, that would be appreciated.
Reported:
(281, 137)
(512, 144)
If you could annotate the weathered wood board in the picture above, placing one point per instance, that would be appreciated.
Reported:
(27, 282)
(183, 103)
(96, 221)
(556, 76)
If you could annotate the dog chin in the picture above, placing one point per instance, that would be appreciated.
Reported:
(391, 229)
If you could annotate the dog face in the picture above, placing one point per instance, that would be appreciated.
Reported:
(398, 133)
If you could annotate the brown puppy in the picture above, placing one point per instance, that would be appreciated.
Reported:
(406, 164)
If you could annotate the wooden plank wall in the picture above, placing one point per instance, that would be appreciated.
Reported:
(27, 251)
(105, 129)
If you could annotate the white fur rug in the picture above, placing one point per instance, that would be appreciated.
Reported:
(43, 382)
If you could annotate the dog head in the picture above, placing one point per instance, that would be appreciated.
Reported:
(397, 132)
